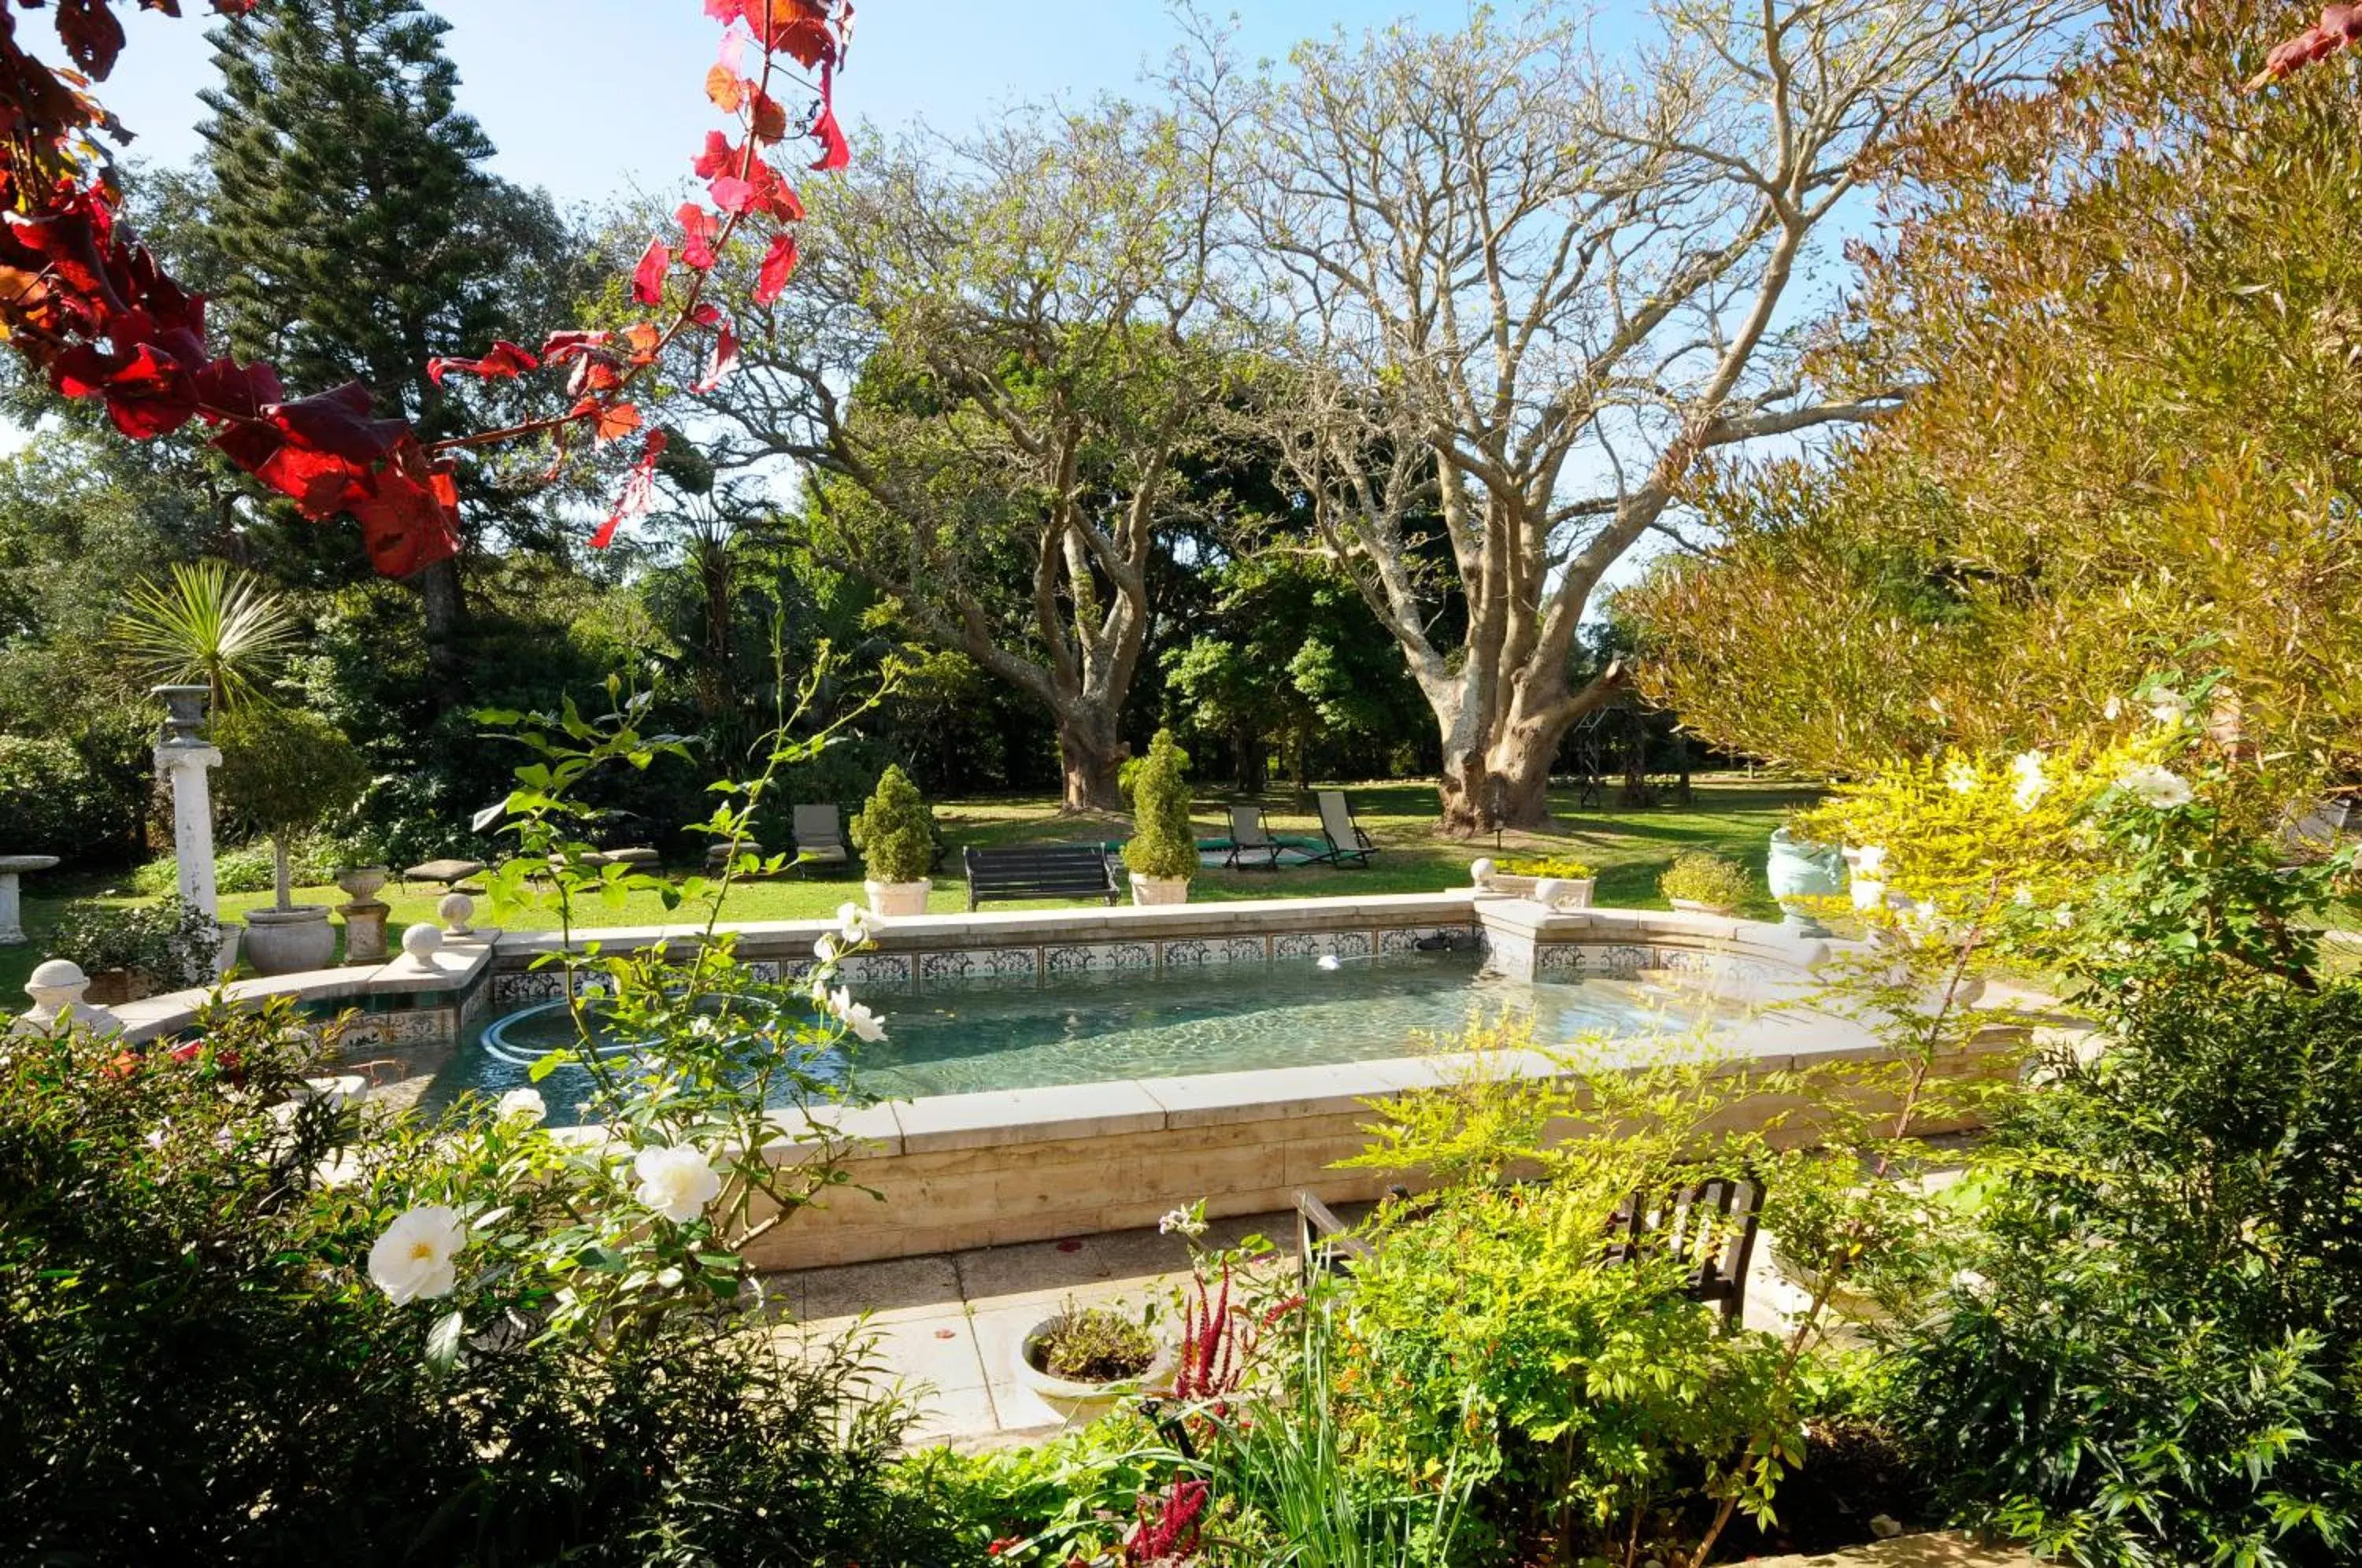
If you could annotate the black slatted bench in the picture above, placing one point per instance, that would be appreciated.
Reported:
(1039, 871)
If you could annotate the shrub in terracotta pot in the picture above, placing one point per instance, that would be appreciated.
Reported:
(1163, 853)
(1701, 883)
(896, 835)
(286, 771)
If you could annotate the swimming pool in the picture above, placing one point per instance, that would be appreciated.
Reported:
(962, 1037)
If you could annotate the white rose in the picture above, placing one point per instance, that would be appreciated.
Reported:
(2160, 788)
(675, 1183)
(2031, 783)
(857, 1018)
(524, 1103)
(415, 1259)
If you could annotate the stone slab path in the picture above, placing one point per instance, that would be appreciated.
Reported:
(1909, 1551)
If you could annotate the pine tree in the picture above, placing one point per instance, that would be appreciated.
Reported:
(348, 229)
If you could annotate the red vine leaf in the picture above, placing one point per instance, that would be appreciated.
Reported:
(723, 360)
(649, 277)
(778, 266)
(639, 491)
(505, 362)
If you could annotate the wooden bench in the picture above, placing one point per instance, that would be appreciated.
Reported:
(1039, 871)
(1708, 1225)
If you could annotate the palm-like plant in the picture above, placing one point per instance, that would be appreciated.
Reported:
(203, 625)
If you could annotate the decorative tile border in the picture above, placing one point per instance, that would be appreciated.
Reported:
(424, 1026)
(1414, 939)
(1323, 945)
(1098, 957)
(981, 964)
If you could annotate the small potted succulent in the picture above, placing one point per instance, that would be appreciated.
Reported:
(896, 835)
(1561, 881)
(285, 770)
(1163, 853)
(1701, 883)
(1085, 1358)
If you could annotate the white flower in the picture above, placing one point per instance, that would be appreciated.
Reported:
(675, 1183)
(2113, 711)
(2158, 787)
(2168, 708)
(1961, 777)
(2031, 783)
(1869, 861)
(415, 1259)
(826, 950)
(2066, 915)
(857, 1018)
(1968, 1282)
(1182, 1222)
(852, 923)
(524, 1103)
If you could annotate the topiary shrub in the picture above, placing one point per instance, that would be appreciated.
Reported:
(54, 802)
(286, 771)
(895, 832)
(1566, 868)
(1162, 842)
(1699, 878)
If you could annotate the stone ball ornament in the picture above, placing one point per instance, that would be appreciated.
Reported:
(421, 942)
(458, 913)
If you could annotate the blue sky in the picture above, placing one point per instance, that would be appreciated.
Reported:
(597, 98)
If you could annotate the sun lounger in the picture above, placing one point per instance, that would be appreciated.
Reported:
(1348, 845)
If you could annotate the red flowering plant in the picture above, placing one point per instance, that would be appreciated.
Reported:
(93, 312)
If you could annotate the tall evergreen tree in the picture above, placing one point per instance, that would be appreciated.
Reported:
(347, 230)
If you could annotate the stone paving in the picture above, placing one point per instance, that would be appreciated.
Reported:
(948, 1326)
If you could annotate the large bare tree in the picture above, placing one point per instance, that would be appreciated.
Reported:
(1525, 291)
(995, 353)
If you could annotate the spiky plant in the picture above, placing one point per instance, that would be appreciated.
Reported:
(203, 625)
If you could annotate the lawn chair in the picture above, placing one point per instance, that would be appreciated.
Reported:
(820, 837)
(1251, 836)
(1348, 845)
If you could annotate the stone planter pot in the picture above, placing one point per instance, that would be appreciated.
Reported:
(361, 883)
(286, 942)
(890, 899)
(113, 987)
(1553, 892)
(227, 959)
(1159, 890)
(1691, 906)
(1081, 1403)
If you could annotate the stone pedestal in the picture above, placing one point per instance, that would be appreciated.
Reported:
(57, 989)
(12, 923)
(365, 932)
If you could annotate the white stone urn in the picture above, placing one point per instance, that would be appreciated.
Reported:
(361, 883)
(890, 899)
(1081, 1403)
(1159, 890)
(290, 941)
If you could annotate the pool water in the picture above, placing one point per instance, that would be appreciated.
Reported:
(967, 1036)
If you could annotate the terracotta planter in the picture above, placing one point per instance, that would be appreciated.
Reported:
(290, 941)
(1159, 890)
(892, 899)
(1081, 1403)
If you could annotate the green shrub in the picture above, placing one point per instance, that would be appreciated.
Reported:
(54, 802)
(2151, 1356)
(285, 770)
(1093, 1344)
(312, 862)
(1700, 877)
(1162, 843)
(172, 943)
(895, 832)
(1564, 868)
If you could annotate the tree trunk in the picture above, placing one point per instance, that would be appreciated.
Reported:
(283, 871)
(444, 610)
(1091, 756)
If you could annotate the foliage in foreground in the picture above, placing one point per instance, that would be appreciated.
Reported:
(2154, 1358)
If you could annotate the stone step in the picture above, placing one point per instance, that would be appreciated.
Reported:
(1909, 1551)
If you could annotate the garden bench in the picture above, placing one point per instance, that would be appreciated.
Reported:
(1708, 1225)
(1039, 871)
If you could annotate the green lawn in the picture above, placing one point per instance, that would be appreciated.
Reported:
(1732, 815)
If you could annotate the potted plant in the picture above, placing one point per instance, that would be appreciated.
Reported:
(1163, 853)
(132, 953)
(1575, 881)
(1085, 1358)
(1701, 883)
(284, 770)
(896, 835)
